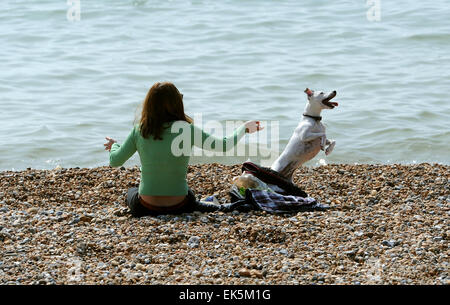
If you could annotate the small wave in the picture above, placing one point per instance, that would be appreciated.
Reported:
(139, 2)
(425, 114)
(434, 38)
(43, 131)
(319, 76)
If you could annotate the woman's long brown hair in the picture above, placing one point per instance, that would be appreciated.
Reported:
(163, 104)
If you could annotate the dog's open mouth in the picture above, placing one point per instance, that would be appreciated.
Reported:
(327, 102)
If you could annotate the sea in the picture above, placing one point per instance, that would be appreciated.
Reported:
(73, 72)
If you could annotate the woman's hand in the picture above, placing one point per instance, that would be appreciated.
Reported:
(109, 143)
(252, 126)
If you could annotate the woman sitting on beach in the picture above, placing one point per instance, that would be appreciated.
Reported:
(163, 187)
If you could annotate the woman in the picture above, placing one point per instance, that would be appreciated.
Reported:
(163, 188)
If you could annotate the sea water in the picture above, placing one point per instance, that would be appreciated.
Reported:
(73, 72)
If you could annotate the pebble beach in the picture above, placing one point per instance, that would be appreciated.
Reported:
(388, 224)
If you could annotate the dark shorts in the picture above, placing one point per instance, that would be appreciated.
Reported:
(188, 205)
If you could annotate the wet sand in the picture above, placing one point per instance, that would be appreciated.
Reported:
(388, 225)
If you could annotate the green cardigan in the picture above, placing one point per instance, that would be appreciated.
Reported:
(164, 162)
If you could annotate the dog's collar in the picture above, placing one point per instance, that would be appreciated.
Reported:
(317, 118)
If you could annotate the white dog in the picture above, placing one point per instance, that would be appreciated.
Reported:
(309, 136)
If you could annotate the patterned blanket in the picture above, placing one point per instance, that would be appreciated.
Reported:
(290, 199)
(274, 203)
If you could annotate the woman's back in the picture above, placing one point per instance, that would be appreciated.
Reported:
(162, 173)
(165, 161)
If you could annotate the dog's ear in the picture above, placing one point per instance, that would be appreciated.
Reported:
(308, 91)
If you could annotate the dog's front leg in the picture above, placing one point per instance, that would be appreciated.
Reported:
(330, 147)
(323, 142)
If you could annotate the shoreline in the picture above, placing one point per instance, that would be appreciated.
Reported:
(388, 225)
(199, 162)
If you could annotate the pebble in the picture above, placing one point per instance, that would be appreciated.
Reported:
(33, 210)
(244, 272)
(256, 273)
(140, 267)
(390, 243)
(193, 242)
(86, 218)
(284, 252)
(74, 221)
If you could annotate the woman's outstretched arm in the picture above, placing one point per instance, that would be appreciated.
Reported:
(118, 154)
(213, 143)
